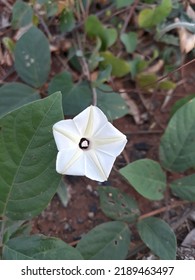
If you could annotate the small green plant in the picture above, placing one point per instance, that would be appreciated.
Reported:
(28, 177)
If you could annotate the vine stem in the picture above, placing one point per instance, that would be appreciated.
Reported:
(176, 25)
(163, 209)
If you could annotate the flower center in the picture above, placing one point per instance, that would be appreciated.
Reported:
(84, 144)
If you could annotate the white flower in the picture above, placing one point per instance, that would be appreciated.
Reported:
(88, 145)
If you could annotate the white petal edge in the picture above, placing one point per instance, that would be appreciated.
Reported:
(89, 121)
(68, 129)
(109, 140)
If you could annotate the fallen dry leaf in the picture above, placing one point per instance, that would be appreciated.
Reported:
(133, 108)
(187, 39)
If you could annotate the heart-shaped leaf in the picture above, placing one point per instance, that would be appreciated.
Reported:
(151, 17)
(117, 205)
(75, 97)
(108, 241)
(111, 103)
(32, 57)
(14, 95)
(159, 237)
(130, 41)
(39, 247)
(22, 14)
(28, 179)
(177, 149)
(147, 177)
(184, 187)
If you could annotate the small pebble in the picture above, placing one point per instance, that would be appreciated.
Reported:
(89, 188)
(91, 215)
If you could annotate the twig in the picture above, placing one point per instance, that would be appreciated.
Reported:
(50, 37)
(131, 11)
(86, 71)
(163, 209)
(5, 2)
(176, 25)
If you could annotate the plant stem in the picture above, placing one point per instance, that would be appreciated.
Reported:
(163, 209)
(176, 25)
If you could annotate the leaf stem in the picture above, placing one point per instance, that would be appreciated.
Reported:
(163, 209)
(176, 25)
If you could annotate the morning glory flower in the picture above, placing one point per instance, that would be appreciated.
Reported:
(88, 145)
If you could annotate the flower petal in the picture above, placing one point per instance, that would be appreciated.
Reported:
(90, 121)
(65, 134)
(98, 165)
(109, 140)
(70, 162)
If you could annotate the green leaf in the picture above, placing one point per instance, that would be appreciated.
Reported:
(147, 81)
(111, 36)
(94, 28)
(130, 41)
(184, 188)
(166, 85)
(28, 179)
(177, 149)
(123, 3)
(111, 103)
(159, 237)
(22, 14)
(147, 177)
(108, 241)
(75, 97)
(103, 76)
(32, 57)
(120, 67)
(39, 247)
(51, 8)
(178, 104)
(151, 17)
(117, 205)
(62, 193)
(67, 21)
(10, 228)
(9, 44)
(14, 95)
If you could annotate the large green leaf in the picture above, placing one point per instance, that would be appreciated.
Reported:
(108, 241)
(75, 97)
(32, 57)
(184, 187)
(118, 205)
(151, 17)
(111, 103)
(22, 14)
(39, 247)
(177, 149)
(14, 95)
(28, 179)
(147, 177)
(159, 237)
(179, 103)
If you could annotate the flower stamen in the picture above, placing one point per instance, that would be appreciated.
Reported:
(84, 144)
